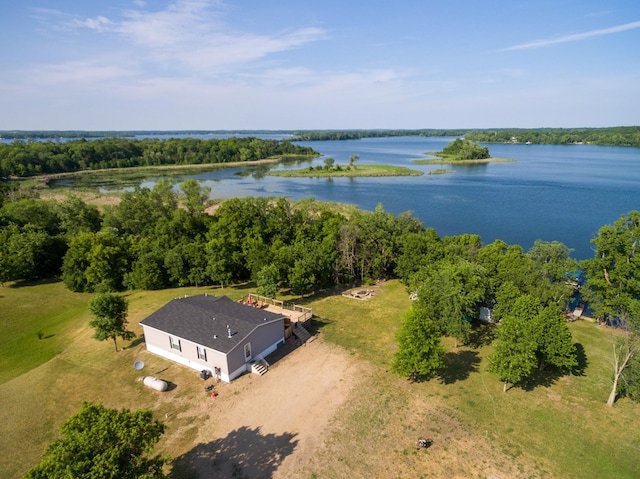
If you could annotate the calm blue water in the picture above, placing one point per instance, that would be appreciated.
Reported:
(552, 192)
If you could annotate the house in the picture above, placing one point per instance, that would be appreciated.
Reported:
(213, 334)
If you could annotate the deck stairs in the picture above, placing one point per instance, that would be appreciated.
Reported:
(259, 367)
(302, 334)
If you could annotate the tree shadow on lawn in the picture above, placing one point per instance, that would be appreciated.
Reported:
(583, 361)
(136, 342)
(551, 374)
(318, 295)
(459, 365)
(482, 334)
(34, 282)
(243, 453)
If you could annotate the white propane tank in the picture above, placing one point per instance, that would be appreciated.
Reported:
(154, 383)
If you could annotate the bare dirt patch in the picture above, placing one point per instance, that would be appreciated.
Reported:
(269, 426)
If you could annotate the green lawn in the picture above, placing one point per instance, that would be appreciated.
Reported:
(561, 418)
(36, 323)
(558, 426)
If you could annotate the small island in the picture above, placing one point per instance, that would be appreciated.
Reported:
(332, 170)
(461, 151)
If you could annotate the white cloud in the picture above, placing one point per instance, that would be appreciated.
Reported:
(572, 38)
(99, 23)
(189, 37)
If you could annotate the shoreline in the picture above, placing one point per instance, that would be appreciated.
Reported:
(451, 161)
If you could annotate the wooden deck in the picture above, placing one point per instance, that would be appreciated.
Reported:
(295, 312)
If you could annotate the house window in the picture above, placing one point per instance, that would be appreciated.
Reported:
(175, 343)
(202, 353)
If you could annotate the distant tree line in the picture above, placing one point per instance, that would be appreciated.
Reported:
(321, 135)
(80, 134)
(61, 134)
(24, 159)
(614, 136)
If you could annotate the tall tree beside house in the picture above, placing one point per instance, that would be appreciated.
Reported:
(104, 443)
(109, 313)
(420, 354)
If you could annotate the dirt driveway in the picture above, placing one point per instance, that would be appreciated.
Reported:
(270, 426)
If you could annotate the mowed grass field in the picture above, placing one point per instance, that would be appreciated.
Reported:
(558, 426)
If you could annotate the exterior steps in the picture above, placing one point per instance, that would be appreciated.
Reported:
(259, 368)
(302, 334)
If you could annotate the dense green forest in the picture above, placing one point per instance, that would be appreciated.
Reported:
(22, 159)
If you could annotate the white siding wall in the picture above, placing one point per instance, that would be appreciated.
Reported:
(264, 340)
(159, 343)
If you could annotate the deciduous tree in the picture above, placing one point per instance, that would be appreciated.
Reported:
(514, 356)
(104, 443)
(449, 295)
(267, 281)
(531, 334)
(109, 313)
(420, 353)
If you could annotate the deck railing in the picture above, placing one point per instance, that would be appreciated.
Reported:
(303, 314)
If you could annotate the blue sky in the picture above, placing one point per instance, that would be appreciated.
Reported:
(258, 64)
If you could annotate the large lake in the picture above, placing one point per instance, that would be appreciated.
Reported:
(552, 192)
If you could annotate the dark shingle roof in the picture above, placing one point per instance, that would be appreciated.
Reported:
(203, 320)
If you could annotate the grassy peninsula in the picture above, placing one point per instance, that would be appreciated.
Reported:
(338, 171)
